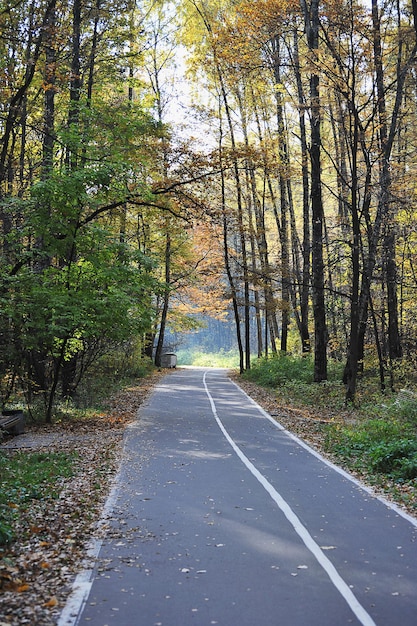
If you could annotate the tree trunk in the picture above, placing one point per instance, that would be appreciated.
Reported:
(414, 6)
(49, 94)
(306, 247)
(242, 234)
(165, 304)
(389, 242)
(351, 368)
(15, 103)
(226, 255)
(284, 204)
(311, 15)
(75, 88)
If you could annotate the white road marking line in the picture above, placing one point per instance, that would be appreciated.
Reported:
(362, 615)
(336, 468)
(77, 600)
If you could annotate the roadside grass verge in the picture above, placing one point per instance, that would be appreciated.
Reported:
(28, 477)
(376, 439)
(199, 358)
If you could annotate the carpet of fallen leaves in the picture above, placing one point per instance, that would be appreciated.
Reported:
(37, 570)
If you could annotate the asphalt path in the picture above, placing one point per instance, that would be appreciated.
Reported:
(220, 516)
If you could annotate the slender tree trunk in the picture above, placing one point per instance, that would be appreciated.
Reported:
(306, 247)
(260, 233)
(255, 276)
(242, 235)
(284, 204)
(165, 304)
(414, 7)
(270, 306)
(15, 103)
(311, 15)
(389, 241)
(37, 359)
(226, 255)
(75, 88)
(351, 369)
(90, 75)
(49, 94)
(223, 92)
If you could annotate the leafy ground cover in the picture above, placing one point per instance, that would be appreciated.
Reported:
(376, 439)
(52, 496)
(25, 478)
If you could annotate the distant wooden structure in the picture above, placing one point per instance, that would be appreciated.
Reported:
(12, 422)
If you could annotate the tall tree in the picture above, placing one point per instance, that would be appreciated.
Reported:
(312, 24)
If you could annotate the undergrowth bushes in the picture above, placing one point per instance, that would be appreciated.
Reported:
(378, 446)
(280, 369)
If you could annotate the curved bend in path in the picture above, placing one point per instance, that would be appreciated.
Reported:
(221, 517)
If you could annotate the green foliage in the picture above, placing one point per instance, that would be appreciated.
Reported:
(379, 446)
(27, 477)
(6, 531)
(79, 285)
(280, 369)
(113, 370)
(292, 376)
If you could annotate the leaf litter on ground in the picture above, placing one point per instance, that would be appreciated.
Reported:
(38, 568)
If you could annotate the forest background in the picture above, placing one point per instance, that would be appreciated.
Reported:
(238, 162)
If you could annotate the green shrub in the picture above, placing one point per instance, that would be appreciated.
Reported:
(280, 369)
(388, 457)
(407, 468)
(386, 447)
(283, 368)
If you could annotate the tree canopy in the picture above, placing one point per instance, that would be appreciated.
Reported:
(161, 161)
